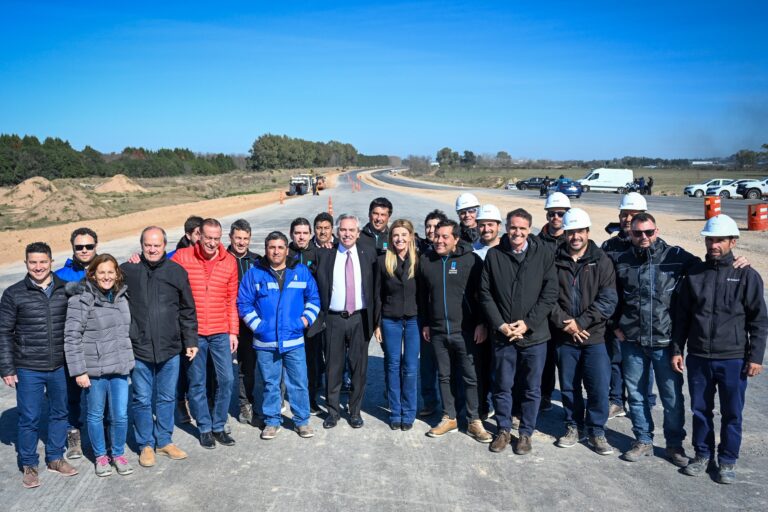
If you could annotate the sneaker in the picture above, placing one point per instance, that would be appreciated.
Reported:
(600, 445)
(446, 425)
(30, 479)
(62, 467)
(121, 465)
(207, 441)
(102, 466)
(305, 431)
(726, 473)
(677, 456)
(172, 451)
(224, 438)
(246, 414)
(616, 411)
(270, 432)
(523, 446)
(697, 466)
(74, 449)
(405, 427)
(570, 439)
(502, 440)
(638, 451)
(478, 432)
(147, 457)
(182, 412)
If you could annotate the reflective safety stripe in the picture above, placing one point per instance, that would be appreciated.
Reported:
(264, 344)
(310, 316)
(255, 324)
(311, 307)
(247, 318)
(297, 284)
(293, 343)
(272, 286)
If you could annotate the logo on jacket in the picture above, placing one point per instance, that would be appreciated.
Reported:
(453, 269)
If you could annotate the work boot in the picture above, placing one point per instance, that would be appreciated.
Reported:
(147, 457)
(102, 466)
(224, 438)
(182, 412)
(600, 445)
(523, 446)
(501, 442)
(122, 465)
(478, 432)
(570, 439)
(616, 411)
(246, 414)
(31, 479)
(726, 473)
(62, 467)
(74, 448)
(677, 456)
(446, 425)
(172, 451)
(638, 451)
(697, 466)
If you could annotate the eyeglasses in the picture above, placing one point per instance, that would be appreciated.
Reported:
(560, 214)
(86, 247)
(638, 233)
(468, 211)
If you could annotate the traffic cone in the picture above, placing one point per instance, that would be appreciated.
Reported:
(282, 197)
(330, 206)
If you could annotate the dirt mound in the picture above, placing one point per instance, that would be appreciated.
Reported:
(120, 184)
(29, 193)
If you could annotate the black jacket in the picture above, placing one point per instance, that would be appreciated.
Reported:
(587, 294)
(163, 314)
(306, 256)
(375, 239)
(646, 281)
(721, 312)
(512, 291)
(244, 264)
(448, 291)
(32, 327)
(326, 259)
(616, 245)
(552, 241)
(397, 295)
(469, 235)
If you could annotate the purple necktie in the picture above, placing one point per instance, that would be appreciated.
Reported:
(349, 282)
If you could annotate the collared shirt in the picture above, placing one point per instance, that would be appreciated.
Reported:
(339, 290)
(521, 251)
(47, 290)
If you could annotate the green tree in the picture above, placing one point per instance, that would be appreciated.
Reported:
(746, 158)
(445, 156)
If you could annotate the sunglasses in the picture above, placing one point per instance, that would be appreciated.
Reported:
(638, 233)
(551, 215)
(86, 247)
(468, 211)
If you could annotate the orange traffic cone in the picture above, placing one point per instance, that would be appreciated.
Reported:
(330, 206)
(282, 197)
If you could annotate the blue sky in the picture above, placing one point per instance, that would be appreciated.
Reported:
(537, 79)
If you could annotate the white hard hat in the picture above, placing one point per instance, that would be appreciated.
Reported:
(633, 201)
(557, 200)
(576, 218)
(489, 212)
(466, 200)
(720, 225)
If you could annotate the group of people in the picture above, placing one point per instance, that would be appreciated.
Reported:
(470, 322)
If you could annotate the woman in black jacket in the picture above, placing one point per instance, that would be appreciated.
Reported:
(397, 328)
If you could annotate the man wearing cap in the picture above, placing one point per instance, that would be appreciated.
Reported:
(721, 317)
(553, 235)
(587, 299)
(631, 204)
(466, 208)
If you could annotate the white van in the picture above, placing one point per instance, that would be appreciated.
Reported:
(609, 180)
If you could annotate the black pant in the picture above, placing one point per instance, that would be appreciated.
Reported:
(484, 372)
(345, 335)
(517, 374)
(456, 348)
(313, 348)
(550, 370)
(246, 356)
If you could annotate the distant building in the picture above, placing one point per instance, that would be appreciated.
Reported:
(702, 162)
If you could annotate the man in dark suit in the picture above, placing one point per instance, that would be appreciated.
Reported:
(345, 280)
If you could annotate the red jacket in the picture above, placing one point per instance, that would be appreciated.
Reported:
(215, 294)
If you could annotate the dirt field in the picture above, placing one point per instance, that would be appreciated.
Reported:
(673, 229)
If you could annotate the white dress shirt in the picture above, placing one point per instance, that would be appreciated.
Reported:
(339, 290)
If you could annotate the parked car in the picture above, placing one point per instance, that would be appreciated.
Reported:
(699, 189)
(753, 189)
(607, 180)
(726, 191)
(533, 183)
(567, 186)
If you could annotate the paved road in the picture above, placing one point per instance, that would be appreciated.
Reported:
(377, 469)
(690, 207)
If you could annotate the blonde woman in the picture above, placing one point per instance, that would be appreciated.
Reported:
(396, 320)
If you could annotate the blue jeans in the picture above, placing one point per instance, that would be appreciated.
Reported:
(401, 342)
(116, 387)
(217, 345)
(637, 361)
(591, 365)
(158, 380)
(31, 391)
(293, 365)
(726, 378)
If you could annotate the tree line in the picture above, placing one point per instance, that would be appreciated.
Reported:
(24, 157)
